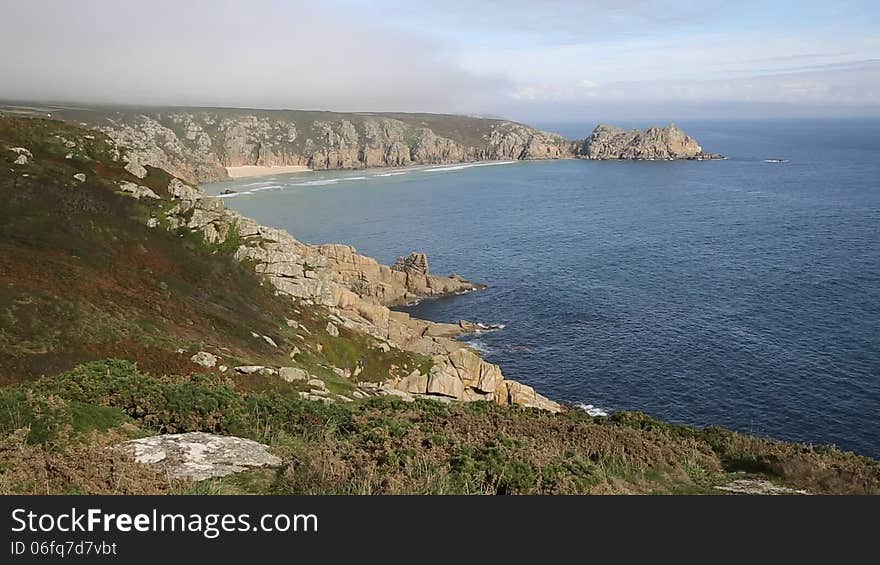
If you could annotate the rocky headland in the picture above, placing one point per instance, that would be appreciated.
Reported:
(652, 144)
(358, 290)
(209, 144)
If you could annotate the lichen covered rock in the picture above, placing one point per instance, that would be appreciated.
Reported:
(199, 456)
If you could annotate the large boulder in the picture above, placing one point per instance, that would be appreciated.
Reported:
(490, 379)
(137, 191)
(524, 395)
(136, 169)
(291, 374)
(204, 359)
(444, 381)
(182, 191)
(199, 456)
(414, 383)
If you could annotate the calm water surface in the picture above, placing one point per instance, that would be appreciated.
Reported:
(740, 293)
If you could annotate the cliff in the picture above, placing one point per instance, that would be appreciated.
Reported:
(357, 291)
(195, 144)
(652, 144)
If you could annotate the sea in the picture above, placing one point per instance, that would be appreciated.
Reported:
(742, 293)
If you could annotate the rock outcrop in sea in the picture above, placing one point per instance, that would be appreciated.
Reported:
(652, 144)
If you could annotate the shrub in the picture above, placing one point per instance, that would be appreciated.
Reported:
(50, 419)
(200, 403)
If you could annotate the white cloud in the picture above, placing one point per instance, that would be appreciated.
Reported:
(518, 58)
(260, 54)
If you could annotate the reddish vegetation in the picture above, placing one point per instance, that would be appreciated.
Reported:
(83, 278)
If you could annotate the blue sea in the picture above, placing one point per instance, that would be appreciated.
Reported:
(739, 293)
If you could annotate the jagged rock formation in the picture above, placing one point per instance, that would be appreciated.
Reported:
(653, 144)
(199, 456)
(357, 290)
(197, 144)
(463, 375)
(415, 263)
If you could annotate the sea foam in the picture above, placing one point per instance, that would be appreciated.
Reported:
(321, 182)
(591, 410)
(466, 166)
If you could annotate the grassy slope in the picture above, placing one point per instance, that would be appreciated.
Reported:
(83, 279)
(382, 445)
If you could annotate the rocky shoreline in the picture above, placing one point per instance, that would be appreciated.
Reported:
(198, 144)
(357, 290)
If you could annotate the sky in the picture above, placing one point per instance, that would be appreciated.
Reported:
(532, 60)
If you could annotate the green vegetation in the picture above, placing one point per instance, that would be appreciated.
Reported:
(232, 241)
(389, 446)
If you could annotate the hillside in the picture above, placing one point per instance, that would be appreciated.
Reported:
(132, 305)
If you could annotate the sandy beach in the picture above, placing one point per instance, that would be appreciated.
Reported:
(258, 171)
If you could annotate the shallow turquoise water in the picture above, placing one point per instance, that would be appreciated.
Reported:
(739, 293)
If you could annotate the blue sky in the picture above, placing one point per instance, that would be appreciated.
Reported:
(529, 60)
(562, 58)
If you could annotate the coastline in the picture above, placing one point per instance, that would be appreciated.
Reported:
(274, 365)
(247, 171)
(356, 291)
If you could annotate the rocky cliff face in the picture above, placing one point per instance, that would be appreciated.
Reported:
(197, 145)
(358, 289)
(653, 144)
